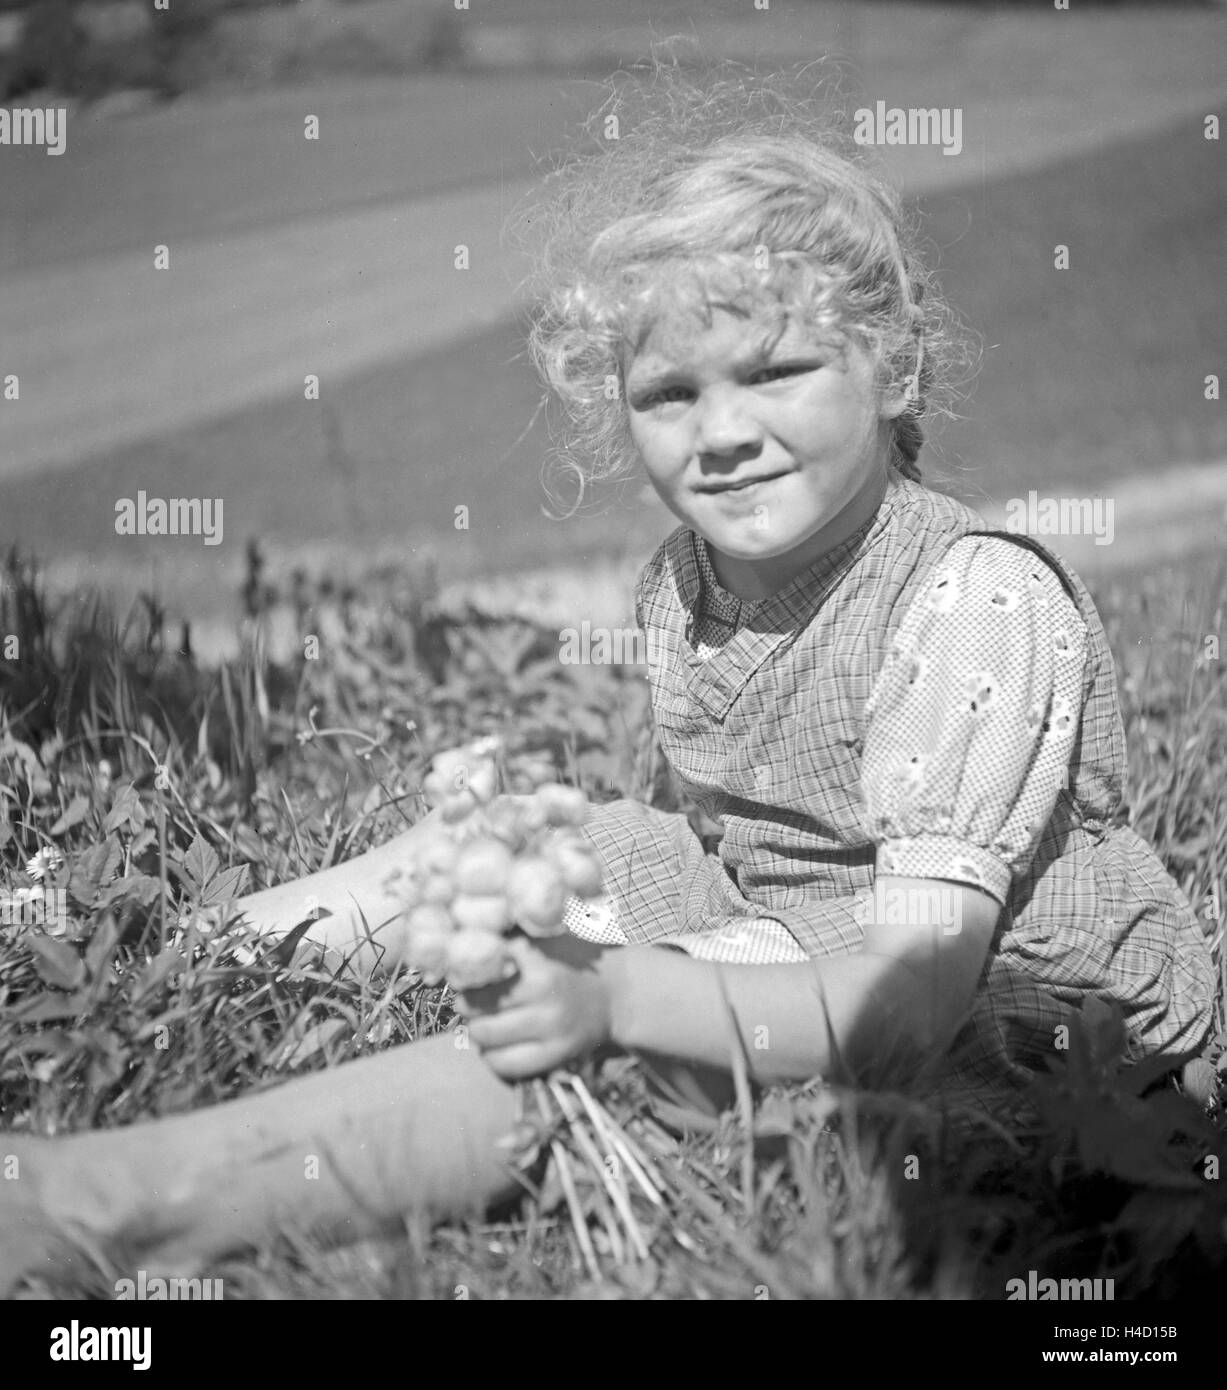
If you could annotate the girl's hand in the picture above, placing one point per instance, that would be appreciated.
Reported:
(558, 1008)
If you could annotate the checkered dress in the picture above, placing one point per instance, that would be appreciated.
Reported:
(929, 699)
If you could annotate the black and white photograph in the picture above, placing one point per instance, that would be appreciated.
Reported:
(611, 674)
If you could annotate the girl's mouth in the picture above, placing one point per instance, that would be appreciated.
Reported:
(740, 487)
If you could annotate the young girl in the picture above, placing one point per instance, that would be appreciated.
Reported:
(906, 725)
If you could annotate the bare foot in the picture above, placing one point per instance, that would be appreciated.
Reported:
(75, 1213)
(342, 1153)
(35, 1240)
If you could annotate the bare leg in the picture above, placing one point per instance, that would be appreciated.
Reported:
(344, 1154)
(353, 914)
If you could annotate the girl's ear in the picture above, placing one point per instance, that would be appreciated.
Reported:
(894, 399)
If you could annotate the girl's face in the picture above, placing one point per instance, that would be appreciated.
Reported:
(773, 447)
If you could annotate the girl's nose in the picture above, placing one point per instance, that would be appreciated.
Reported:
(725, 425)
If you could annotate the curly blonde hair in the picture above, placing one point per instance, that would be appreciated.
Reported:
(724, 188)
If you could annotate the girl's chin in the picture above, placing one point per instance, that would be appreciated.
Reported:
(750, 542)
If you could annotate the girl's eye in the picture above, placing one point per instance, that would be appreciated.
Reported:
(781, 371)
(664, 395)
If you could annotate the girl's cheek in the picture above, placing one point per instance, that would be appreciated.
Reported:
(661, 445)
(648, 445)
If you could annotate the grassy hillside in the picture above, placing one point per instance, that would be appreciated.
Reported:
(271, 771)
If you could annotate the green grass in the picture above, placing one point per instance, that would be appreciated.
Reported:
(816, 1194)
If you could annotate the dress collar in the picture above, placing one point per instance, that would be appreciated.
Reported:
(715, 599)
(795, 604)
(763, 625)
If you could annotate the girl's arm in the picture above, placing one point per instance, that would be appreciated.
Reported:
(903, 995)
(900, 998)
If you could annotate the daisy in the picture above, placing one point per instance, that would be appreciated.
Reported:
(46, 861)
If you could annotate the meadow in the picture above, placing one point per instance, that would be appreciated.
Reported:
(137, 783)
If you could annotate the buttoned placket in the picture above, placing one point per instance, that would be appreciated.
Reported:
(714, 682)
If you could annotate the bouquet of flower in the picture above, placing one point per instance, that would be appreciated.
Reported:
(508, 863)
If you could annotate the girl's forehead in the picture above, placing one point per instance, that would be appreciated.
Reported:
(675, 331)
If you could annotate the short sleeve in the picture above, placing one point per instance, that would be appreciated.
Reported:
(972, 721)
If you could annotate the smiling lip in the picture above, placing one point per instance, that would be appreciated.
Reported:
(741, 486)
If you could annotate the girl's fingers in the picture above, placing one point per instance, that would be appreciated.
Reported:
(519, 1062)
(492, 999)
(521, 950)
(531, 953)
(506, 1028)
(524, 987)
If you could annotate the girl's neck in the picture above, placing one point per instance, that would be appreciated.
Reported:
(753, 580)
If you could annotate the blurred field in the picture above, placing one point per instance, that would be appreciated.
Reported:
(1080, 387)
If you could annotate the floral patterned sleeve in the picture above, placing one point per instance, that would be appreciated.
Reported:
(973, 718)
